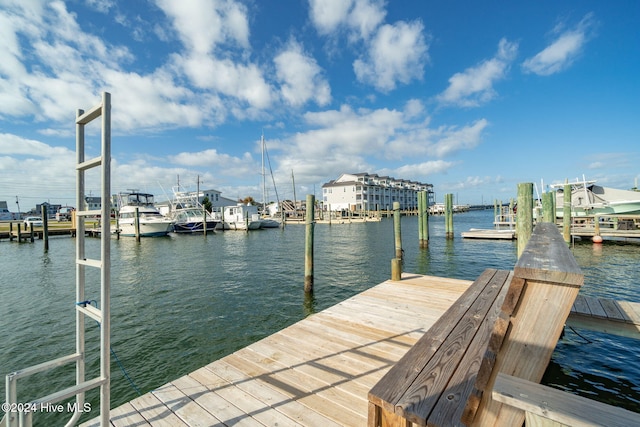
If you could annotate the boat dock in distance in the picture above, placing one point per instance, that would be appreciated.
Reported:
(370, 359)
(613, 226)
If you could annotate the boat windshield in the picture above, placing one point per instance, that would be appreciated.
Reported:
(139, 199)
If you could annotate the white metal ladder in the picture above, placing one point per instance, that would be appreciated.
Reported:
(22, 414)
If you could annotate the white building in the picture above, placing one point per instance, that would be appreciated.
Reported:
(370, 192)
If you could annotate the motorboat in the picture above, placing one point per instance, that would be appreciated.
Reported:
(240, 217)
(139, 207)
(189, 215)
(588, 199)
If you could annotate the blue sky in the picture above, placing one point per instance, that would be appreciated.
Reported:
(473, 97)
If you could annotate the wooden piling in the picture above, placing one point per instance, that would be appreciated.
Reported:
(396, 229)
(137, 224)
(547, 207)
(396, 263)
(524, 220)
(20, 232)
(31, 232)
(45, 227)
(420, 224)
(11, 231)
(423, 219)
(566, 212)
(204, 221)
(448, 215)
(308, 246)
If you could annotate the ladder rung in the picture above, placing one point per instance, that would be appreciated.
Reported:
(93, 113)
(61, 361)
(91, 311)
(91, 163)
(90, 262)
(88, 213)
(71, 391)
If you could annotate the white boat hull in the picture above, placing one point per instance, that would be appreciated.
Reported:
(147, 228)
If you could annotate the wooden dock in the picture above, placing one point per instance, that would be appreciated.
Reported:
(316, 372)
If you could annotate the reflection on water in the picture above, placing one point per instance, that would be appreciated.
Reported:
(180, 302)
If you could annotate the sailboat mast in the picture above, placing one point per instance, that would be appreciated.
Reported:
(264, 185)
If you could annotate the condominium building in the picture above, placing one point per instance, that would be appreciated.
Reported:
(368, 192)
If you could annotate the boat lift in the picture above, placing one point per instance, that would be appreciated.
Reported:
(21, 414)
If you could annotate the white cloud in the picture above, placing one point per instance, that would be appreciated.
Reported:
(203, 24)
(359, 18)
(421, 140)
(397, 53)
(301, 77)
(365, 17)
(344, 140)
(474, 86)
(563, 51)
(420, 171)
(243, 82)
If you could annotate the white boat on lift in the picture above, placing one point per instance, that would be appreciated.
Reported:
(589, 199)
(151, 222)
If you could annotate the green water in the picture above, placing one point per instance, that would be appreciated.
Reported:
(180, 302)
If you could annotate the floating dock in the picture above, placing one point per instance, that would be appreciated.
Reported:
(494, 234)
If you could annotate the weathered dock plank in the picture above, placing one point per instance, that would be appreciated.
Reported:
(315, 372)
(605, 315)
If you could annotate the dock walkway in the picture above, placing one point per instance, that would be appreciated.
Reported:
(316, 372)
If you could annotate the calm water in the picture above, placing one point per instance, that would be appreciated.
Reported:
(181, 302)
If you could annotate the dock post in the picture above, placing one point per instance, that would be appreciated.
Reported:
(20, 232)
(45, 228)
(137, 224)
(396, 263)
(204, 221)
(423, 219)
(117, 224)
(329, 207)
(420, 224)
(566, 212)
(11, 231)
(448, 212)
(547, 207)
(308, 245)
(510, 214)
(524, 220)
(31, 231)
(396, 229)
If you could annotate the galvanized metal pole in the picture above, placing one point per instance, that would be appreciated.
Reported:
(308, 246)
(524, 220)
(105, 256)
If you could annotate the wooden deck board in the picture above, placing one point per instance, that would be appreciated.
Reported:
(315, 372)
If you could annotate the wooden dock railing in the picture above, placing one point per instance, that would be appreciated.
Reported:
(498, 336)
